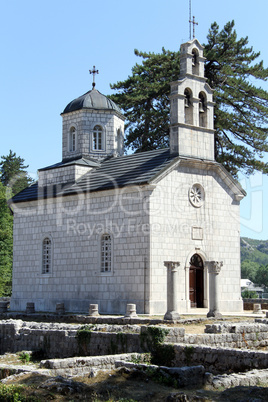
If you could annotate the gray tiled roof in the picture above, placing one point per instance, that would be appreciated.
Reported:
(135, 169)
(81, 162)
(92, 100)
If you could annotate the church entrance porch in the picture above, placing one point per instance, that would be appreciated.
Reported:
(196, 282)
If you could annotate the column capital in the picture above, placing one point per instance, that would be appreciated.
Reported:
(214, 267)
(172, 264)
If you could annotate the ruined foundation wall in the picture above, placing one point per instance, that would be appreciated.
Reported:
(219, 359)
(60, 340)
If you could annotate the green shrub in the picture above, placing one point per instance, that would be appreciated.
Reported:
(152, 340)
(83, 337)
(24, 357)
(11, 393)
(249, 294)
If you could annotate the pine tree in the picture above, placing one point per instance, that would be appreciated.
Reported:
(144, 97)
(6, 244)
(241, 110)
(13, 173)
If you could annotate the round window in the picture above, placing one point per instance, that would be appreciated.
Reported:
(196, 195)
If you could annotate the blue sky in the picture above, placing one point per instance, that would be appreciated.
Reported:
(47, 48)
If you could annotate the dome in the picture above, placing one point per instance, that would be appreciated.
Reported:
(92, 100)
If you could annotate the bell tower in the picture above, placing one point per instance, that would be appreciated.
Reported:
(192, 107)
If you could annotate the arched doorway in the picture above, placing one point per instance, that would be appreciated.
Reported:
(196, 281)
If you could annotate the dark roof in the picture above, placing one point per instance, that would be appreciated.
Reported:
(92, 100)
(81, 162)
(123, 171)
(28, 194)
(135, 169)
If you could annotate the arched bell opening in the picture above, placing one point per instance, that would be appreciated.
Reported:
(188, 106)
(202, 109)
(195, 62)
(196, 281)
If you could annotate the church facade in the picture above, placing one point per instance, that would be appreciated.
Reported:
(99, 225)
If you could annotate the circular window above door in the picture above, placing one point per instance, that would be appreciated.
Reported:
(196, 195)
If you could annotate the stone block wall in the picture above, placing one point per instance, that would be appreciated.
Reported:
(60, 340)
(75, 226)
(234, 335)
(249, 303)
(84, 365)
(84, 121)
(64, 174)
(219, 360)
(223, 351)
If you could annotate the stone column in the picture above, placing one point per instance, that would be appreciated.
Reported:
(172, 294)
(214, 268)
(187, 288)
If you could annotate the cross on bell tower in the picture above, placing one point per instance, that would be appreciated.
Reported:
(94, 72)
(194, 23)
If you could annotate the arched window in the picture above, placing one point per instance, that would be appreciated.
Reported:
(97, 138)
(106, 253)
(72, 139)
(46, 256)
(196, 261)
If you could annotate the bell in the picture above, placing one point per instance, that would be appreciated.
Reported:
(186, 102)
(201, 108)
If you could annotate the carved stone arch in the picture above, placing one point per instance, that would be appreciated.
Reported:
(193, 251)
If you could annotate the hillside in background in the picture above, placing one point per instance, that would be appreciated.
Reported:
(254, 250)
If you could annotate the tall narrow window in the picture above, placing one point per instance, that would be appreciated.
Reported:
(46, 256)
(119, 142)
(72, 139)
(97, 138)
(106, 253)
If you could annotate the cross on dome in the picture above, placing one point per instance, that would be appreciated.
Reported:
(94, 71)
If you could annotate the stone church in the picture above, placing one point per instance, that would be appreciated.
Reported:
(99, 226)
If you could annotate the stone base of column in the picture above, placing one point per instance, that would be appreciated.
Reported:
(214, 314)
(93, 310)
(131, 311)
(172, 316)
(60, 308)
